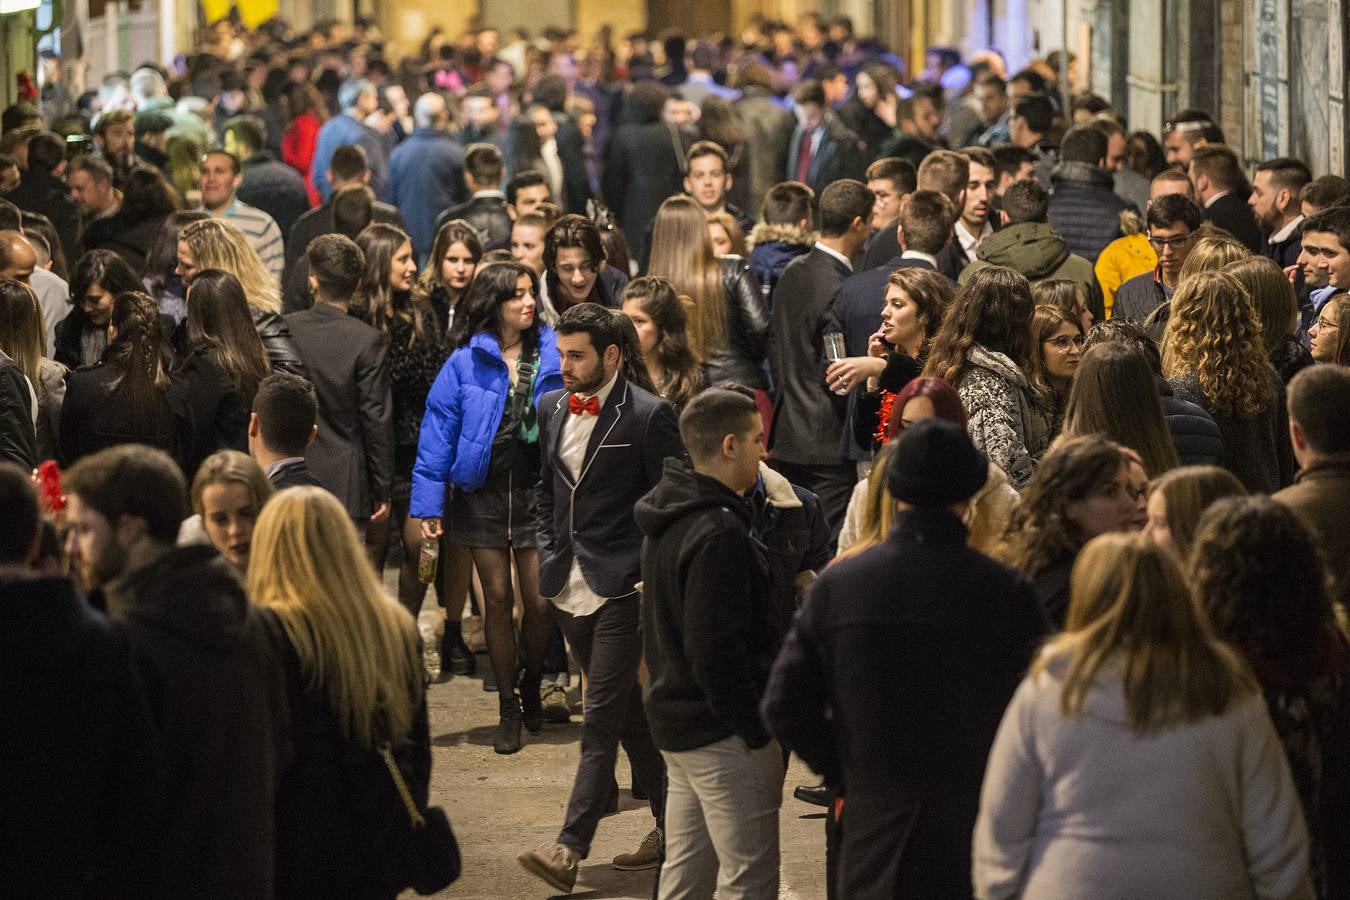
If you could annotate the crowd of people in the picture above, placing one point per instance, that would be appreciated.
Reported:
(926, 423)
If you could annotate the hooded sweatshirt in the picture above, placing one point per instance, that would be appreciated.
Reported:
(1038, 252)
(706, 625)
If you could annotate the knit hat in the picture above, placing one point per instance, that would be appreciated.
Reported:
(936, 465)
(152, 122)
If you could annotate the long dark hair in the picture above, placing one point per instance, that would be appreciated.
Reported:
(161, 262)
(218, 318)
(146, 194)
(137, 353)
(630, 349)
(455, 231)
(493, 285)
(379, 242)
(681, 375)
(105, 269)
(992, 310)
(1114, 394)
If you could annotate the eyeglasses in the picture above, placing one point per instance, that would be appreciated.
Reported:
(1175, 243)
(1064, 343)
(1323, 324)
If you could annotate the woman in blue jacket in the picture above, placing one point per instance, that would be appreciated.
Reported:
(480, 433)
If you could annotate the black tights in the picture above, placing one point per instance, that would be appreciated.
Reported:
(494, 571)
(411, 591)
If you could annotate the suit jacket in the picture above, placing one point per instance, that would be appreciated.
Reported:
(840, 154)
(806, 419)
(353, 455)
(591, 519)
(489, 218)
(1231, 213)
(319, 220)
(881, 246)
(861, 297)
(572, 155)
(294, 474)
(645, 166)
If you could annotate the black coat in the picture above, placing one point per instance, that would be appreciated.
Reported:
(282, 353)
(742, 358)
(82, 782)
(488, 216)
(707, 623)
(1085, 208)
(220, 412)
(353, 455)
(1138, 297)
(645, 166)
(217, 690)
(954, 631)
(276, 189)
(95, 417)
(1195, 435)
(592, 519)
(43, 192)
(840, 154)
(807, 419)
(572, 155)
(319, 220)
(127, 234)
(866, 124)
(1256, 448)
(1231, 213)
(294, 474)
(18, 436)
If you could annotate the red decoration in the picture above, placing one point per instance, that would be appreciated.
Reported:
(883, 433)
(47, 479)
(27, 90)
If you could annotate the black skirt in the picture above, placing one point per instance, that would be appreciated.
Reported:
(502, 513)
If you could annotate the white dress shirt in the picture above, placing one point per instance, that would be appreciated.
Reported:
(836, 254)
(577, 598)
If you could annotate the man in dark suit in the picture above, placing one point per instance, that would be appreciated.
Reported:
(551, 93)
(352, 456)
(1218, 179)
(603, 441)
(347, 170)
(966, 628)
(807, 421)
(284, 421)
(823, 149)
(1276, 188)
(485, 209)
(645, 164)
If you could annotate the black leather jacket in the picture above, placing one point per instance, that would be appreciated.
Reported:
(282, 353)
(742, 359)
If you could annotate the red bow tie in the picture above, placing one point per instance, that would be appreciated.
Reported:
(579, 406)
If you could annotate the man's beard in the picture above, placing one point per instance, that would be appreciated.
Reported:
(592, 382)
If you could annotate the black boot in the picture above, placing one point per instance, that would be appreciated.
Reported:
(456, 658)
(531, 703)
(508, 729)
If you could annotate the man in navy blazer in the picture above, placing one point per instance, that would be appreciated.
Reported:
(603, 443)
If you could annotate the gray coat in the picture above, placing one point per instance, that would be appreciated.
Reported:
(1009, 419)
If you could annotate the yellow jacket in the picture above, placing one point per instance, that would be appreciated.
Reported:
(1123, 259)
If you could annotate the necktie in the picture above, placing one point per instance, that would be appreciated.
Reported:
(804, 157)
(578, 406)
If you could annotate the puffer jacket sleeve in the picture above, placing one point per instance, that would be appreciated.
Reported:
(993, 425)
(436, 442)
(747, 302)
(282, 353)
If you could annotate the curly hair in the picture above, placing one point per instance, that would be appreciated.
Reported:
(1214, 333)
(1040, 530)
(218, 244)
(993, 309)
(382, 304)
(1213, 252)
(1257, 572)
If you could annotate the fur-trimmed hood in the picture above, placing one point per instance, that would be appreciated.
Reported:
(764, 233)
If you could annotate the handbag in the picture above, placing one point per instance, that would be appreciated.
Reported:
(424, 854)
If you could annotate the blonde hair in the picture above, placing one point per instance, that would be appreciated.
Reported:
(231, 467)
(1213, 331)
(1187, 492)
(1130, 605)
(1212, 252)
(355, 643)
(217, 244)
(682, 253)
(1272, 294)
(879, 506)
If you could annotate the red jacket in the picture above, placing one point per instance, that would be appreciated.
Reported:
(297, 148)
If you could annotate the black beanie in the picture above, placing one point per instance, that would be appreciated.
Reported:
(935, 464)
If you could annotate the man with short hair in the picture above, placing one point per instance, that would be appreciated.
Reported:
(1029, 126)
(1319, 428)
(965, 628)
(346, 170)
(891, 180)
(221, 177)
(41, 190)
(1276, 188)
(1129, 185)
(115, 139)
(822, 149)
(1186, 131)
(807, 424)
(91, 187)
(785, 233)
(526, 192)
(284, 421)
(1171, 181)
(973, 225)
(1011, 165)
(1026, 243)
(1084, 206)
(71, 692)
(352, 456)
(486, 208)
(709, 643)
(268, 184)
(1325, 259)
(426, 171)
(216, 680)
(152, 139)
(604, 441)
(357, 99)
(1173, 225)
(991, 98)
(707, 180)
(1216, 173)
(1324, 193)
(919, 120)
(699, 83)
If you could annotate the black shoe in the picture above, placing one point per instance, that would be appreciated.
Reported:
(456, 657)
(508, 729)
(531, 704)
(489, 679)
(817, 795)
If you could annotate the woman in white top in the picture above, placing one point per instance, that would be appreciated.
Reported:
(1137, 758)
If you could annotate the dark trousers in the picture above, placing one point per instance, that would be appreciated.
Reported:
(608, 645)
(832, 483)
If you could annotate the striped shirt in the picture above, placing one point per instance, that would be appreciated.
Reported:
(262, 232)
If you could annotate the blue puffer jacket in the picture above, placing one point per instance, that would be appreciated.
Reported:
(464, 408)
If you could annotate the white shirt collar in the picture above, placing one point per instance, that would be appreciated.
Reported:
(970, 241)
(1216, 198)
(835, 253)
(919, 254)
(1286, 232)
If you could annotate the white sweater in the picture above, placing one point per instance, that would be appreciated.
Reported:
(1086, 807)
